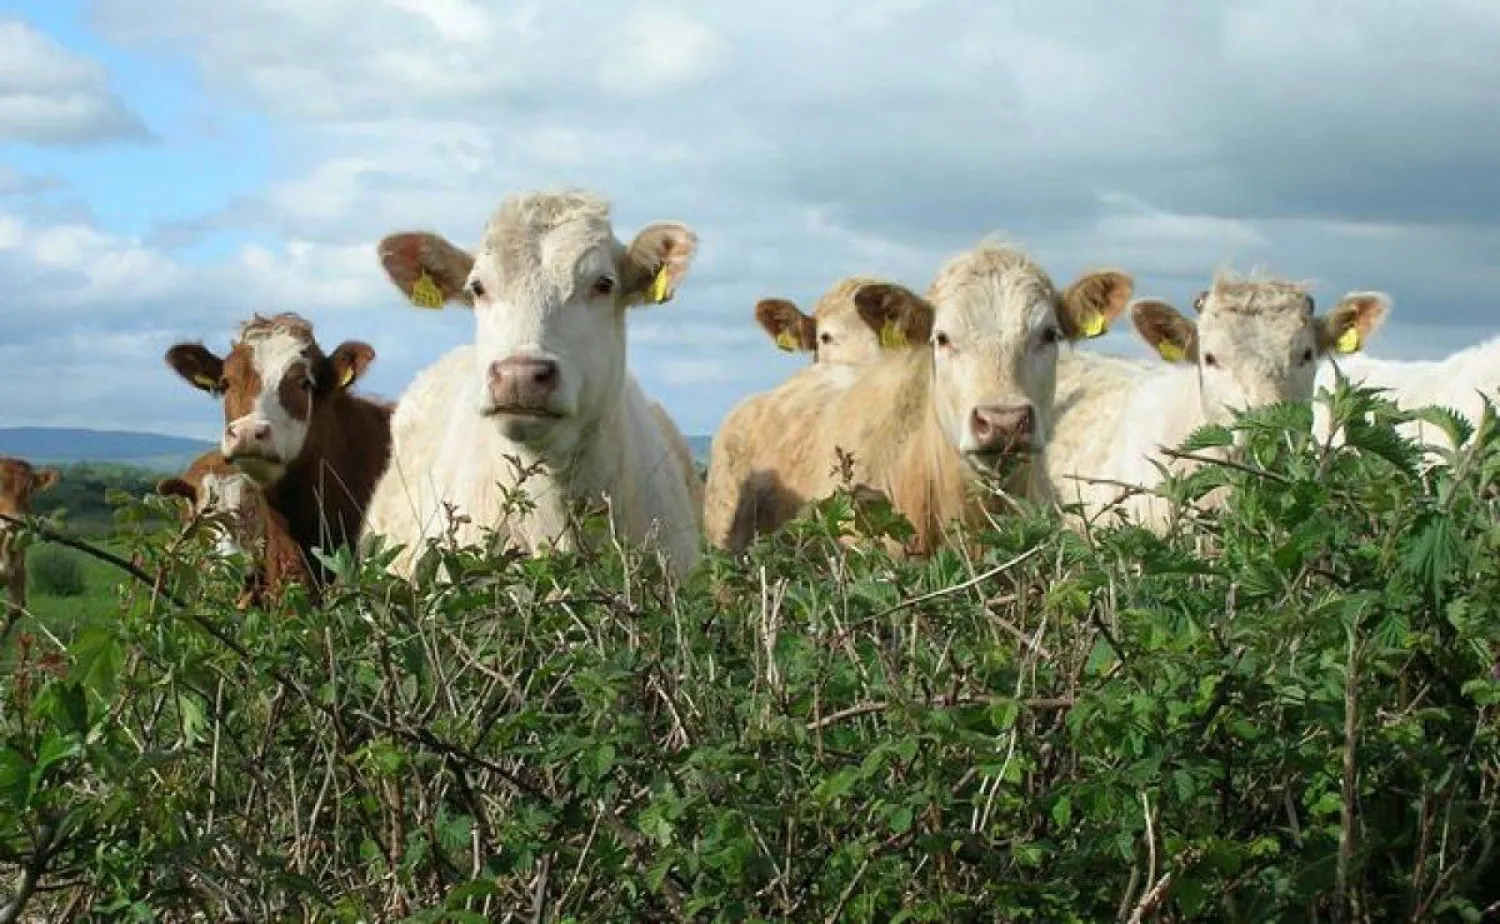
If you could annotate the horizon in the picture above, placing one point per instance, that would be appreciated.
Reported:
(166, 170)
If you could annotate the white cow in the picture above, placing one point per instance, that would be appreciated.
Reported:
(1256, 343)
(833, 333)
(1455, 382)
(544, 384)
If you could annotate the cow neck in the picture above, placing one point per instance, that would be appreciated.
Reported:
(326, 478)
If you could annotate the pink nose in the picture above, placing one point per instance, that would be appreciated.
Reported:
(523, 381)
(245, 434)
(995, 427)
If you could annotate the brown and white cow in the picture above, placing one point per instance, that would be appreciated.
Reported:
(292, 424)
(19, 482)
(244, 525)
(1255, 342)
(928, 426)
(544, 383)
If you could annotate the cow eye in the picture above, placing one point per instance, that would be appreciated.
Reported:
(825, 338)
(475, 288)
(1210, 359)
(307, 384)
(604, 285)
(1050, 336)
(941, 339)
(1307, 355)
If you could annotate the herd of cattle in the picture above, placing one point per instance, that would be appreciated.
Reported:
(948, 404)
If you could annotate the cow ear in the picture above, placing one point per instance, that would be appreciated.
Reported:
(176, 487)
(792, 330)
(198, 365)
(350, 361)
(1174, 337)
(656, 262)
(45, 479)
(1349, 326)
(897, 315)
(426, 268)
(1091, 304)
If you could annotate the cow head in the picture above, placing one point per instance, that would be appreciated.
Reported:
(19, 482)
(549, 286)
(234, 500)
(833, 333)
(1257, 343)
(994, 322)
(274, 382)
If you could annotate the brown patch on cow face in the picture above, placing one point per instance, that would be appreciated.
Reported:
(792, 330)
(897, 315)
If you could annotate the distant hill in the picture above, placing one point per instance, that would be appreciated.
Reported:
(62, 445)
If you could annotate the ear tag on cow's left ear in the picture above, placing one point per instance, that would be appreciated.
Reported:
(347, 377)
(659, 292)
(425, 293)
(206, 382)
(1093, 324)
(892, 337)
(1170, 351)
(1348, 341)
(787, 340)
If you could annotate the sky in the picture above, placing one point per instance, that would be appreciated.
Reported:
(169, 167)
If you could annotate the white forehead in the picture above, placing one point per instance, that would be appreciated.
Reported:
(546, 238)
(226, 492)
(274, 353)
(996, 287)
(1256, 316)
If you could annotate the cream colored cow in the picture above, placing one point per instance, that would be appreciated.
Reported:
(1455, 382)
(544, 384)
(833, 333)
(1255, 343)
(926, 426)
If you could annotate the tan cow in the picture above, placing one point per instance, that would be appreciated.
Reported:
(544, 383)
(833, 333)
(19, 482)
(1255, 343)
(840, 340)
(927, 426)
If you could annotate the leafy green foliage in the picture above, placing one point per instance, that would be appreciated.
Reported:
(55, 571)
(1284, 710)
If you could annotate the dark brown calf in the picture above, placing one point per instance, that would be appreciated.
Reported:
(18, 482)
(293, 426)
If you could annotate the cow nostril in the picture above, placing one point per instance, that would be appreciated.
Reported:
(544, 373)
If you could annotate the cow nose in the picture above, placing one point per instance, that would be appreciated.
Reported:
(524, 375)
(997, 427)
(253, 433)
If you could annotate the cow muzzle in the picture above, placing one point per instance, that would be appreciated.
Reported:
(524, 386)
(998, 431)
(249, 439)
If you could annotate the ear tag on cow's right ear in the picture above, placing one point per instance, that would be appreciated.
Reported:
(346, 378)
(206, 382)
(1348, 341)
(892, 337)
(425, 293)
(787, 340)
(659, 292)
(1093, 324)
(1170, 351)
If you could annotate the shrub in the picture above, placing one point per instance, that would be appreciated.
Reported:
(56, 572)
(1282, 711)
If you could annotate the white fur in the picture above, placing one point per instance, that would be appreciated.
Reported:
(275, 355)
(1455, 382)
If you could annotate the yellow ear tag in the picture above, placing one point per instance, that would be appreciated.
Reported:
(659, 285)
(205, 382)
(788, 341)
(347, 377)
(425, 293)
(1348, 341)
(1093, 325)
(1170, 351)
(892, 337)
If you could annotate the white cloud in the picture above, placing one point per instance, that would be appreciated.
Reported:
(659, 50)
(49, 95)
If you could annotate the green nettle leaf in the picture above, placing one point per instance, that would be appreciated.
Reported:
(15, 777)
(901, 819)
(1062, 811)
(194, 718)
(98, 657)
(54, 750)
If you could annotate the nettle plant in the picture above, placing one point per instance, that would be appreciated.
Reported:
(1284, 710)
